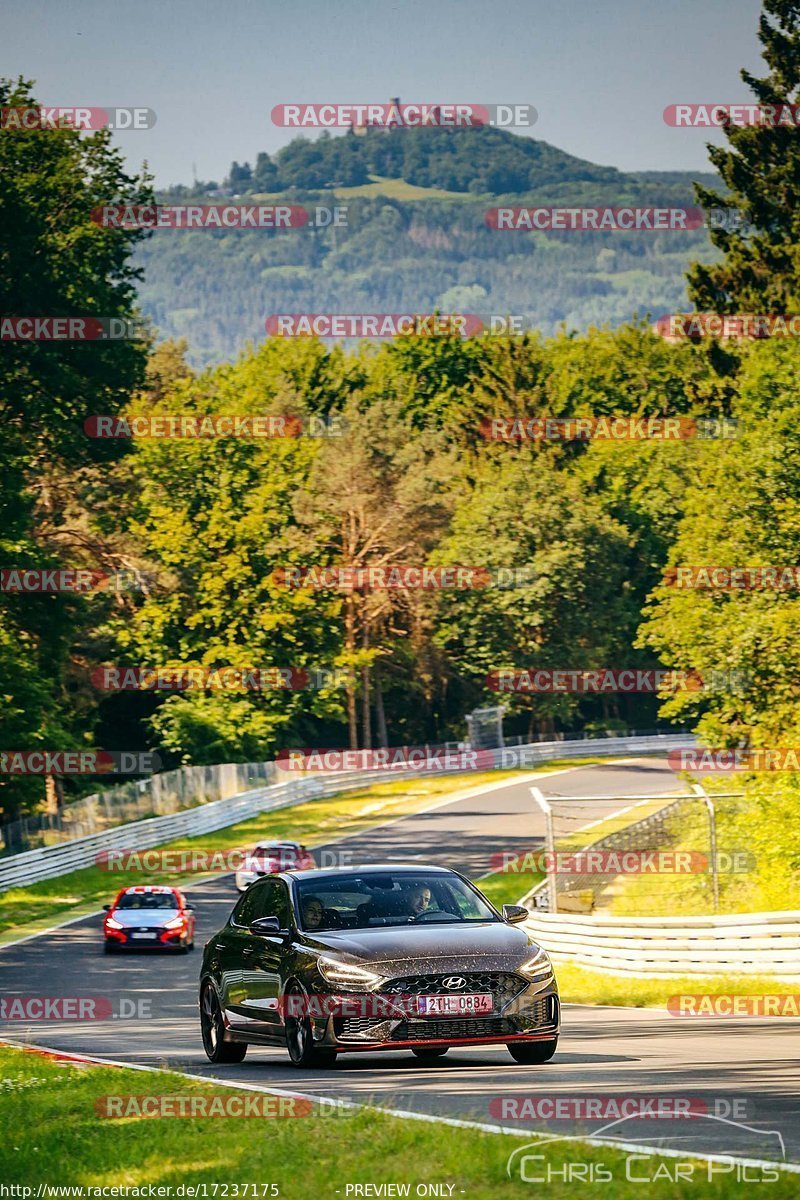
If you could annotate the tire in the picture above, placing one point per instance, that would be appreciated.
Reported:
(529, 1053)
(429, 1053)
(109, 948)
(299, 1040)
(212, 1028)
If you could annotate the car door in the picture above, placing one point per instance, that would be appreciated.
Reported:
(229, 953)
(263, 962)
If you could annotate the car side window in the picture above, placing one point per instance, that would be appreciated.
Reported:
(251, 906)
(276, 902)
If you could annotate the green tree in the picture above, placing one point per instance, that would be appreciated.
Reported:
(742, 509)
(760, 267)
(54, 262)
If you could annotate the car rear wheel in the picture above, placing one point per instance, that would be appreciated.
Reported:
(428, 1053)
(213, 1029)
(299, 1038)
(529, 1053)
(109, 948)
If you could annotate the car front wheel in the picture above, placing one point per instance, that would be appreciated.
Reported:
(299, 1038)
(532, 1052)
(213, 1029)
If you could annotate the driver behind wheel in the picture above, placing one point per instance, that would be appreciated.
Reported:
(418, 900)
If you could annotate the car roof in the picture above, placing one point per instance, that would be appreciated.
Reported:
(367, 869)
(148, 887)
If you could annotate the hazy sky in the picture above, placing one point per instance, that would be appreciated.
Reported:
(599, 72)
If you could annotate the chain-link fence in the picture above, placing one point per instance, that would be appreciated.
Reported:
(155, 796)
(645, 855)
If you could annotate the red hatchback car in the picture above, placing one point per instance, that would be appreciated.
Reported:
(149, 917)
(267, 858)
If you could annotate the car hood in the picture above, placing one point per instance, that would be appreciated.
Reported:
(140, 918)
(429, 949)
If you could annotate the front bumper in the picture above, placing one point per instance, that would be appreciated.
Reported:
(165, 939)
(533, 1013)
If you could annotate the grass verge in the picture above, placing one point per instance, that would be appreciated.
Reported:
(56, 1137)
(579, 985)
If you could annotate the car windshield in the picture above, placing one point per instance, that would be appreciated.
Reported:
(389, 898)
(147, 900)
(276, 852)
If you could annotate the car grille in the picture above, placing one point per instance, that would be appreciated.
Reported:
(539, 1015)
(503, 986)
(452, 1027)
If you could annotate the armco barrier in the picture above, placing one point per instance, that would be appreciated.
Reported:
(31, 866)
(745, 944)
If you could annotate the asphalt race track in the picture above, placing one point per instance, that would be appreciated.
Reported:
(739, 1074)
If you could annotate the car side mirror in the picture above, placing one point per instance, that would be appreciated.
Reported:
(106, 908)
(268, 925)
(188, 908)
(514, 913)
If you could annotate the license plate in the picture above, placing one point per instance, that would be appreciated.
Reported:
(430, 1006)
(144, 935)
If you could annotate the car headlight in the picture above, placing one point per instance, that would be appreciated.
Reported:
(176, 923)
(347, 975)
(112, 924)
(539, 967)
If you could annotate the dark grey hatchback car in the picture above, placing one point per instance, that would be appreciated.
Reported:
(375, 958)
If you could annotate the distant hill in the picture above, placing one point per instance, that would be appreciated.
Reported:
(416, 239)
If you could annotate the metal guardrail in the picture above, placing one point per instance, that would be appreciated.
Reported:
(744, 944)
(171, 791)
(49, 862)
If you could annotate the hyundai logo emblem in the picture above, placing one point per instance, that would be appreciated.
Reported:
(454, 982)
